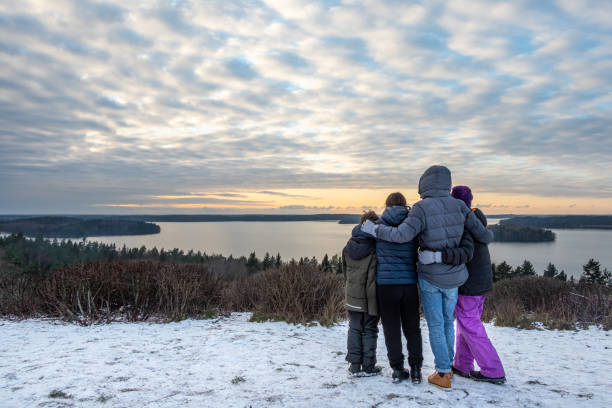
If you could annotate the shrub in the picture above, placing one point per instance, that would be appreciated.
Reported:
(18, 290)
(138, 289)
(555, 303)
(107, 290)
(293, 293)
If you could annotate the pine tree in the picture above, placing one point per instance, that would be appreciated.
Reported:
(253, 263)
(335, 261)
(607, 277)
(550, 271)
(502, 271)
(562, 276)
(325, 264)
(526, 269)
(313, 261)
(339, 266)
(592, 273)
(518, 271)
(278, 261)
(267, 261)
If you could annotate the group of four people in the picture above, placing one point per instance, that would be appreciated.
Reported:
(434, 253)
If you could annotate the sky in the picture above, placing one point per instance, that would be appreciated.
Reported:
(303, 106)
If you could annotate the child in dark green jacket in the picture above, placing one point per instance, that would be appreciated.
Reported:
(359, 267)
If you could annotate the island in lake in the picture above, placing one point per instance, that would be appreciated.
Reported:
(518, 233)
(69, 227)
(562, 221)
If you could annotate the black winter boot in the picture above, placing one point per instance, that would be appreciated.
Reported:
(415, 373)
(459, 372)
(355, 370)
(371, 371)
(400, 375)
(477, 375)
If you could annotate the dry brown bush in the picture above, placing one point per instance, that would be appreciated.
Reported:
(293, 293)
(139, 290)
(134, 290)
(520, 302)
(19, 295)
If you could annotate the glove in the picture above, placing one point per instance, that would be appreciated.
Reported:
(429, 257)
(369, 228)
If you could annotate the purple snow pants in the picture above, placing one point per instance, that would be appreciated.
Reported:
(472, 340)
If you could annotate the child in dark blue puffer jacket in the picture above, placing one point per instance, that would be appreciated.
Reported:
(398, 298)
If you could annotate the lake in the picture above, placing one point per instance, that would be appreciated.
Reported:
(570, 251)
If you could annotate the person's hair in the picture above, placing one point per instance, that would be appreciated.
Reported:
(396, 199)
(368, 215)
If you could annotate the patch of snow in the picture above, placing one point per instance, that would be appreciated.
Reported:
(231, 362)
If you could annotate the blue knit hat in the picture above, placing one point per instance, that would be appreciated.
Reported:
(463, 193)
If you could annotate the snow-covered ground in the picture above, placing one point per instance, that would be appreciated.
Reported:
(230, 362)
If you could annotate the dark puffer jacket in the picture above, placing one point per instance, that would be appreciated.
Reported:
(475, 255)
(396, 262)
(440, 220)
(359, 267)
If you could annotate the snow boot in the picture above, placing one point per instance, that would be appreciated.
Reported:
(477, 375)
(400, 375)
(355, 370)
(459, 372)
(440, 380)
(371, 371)
(415, 374)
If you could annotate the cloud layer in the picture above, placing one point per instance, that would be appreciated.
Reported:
(119, 103)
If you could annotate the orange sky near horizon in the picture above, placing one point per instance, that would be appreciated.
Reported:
(352, 200)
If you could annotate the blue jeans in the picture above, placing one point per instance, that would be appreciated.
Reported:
(439, 308)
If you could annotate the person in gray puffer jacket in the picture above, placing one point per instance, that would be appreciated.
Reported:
(439, 221)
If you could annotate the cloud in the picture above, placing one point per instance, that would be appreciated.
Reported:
(279, 194)
(116, 102)
(306, 207)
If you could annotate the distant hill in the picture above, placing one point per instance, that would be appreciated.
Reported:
(519, 233)
(341, 218)
(69, 227)
(562, 221)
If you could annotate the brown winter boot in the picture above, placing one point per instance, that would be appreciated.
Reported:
(441, 380)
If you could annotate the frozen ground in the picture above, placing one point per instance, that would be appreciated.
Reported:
(230, 362)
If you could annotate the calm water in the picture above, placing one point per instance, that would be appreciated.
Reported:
(570, 251)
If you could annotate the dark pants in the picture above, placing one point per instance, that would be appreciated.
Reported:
(361, 340)
(398, 306)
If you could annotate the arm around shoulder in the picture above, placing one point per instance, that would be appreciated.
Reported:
(407, 230)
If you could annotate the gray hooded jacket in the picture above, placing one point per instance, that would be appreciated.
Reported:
(440, 220)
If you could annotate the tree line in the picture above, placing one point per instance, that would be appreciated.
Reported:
(71, 227)
(44, 255)
(592, 272)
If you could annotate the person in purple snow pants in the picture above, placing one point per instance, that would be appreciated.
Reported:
(472, 341)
